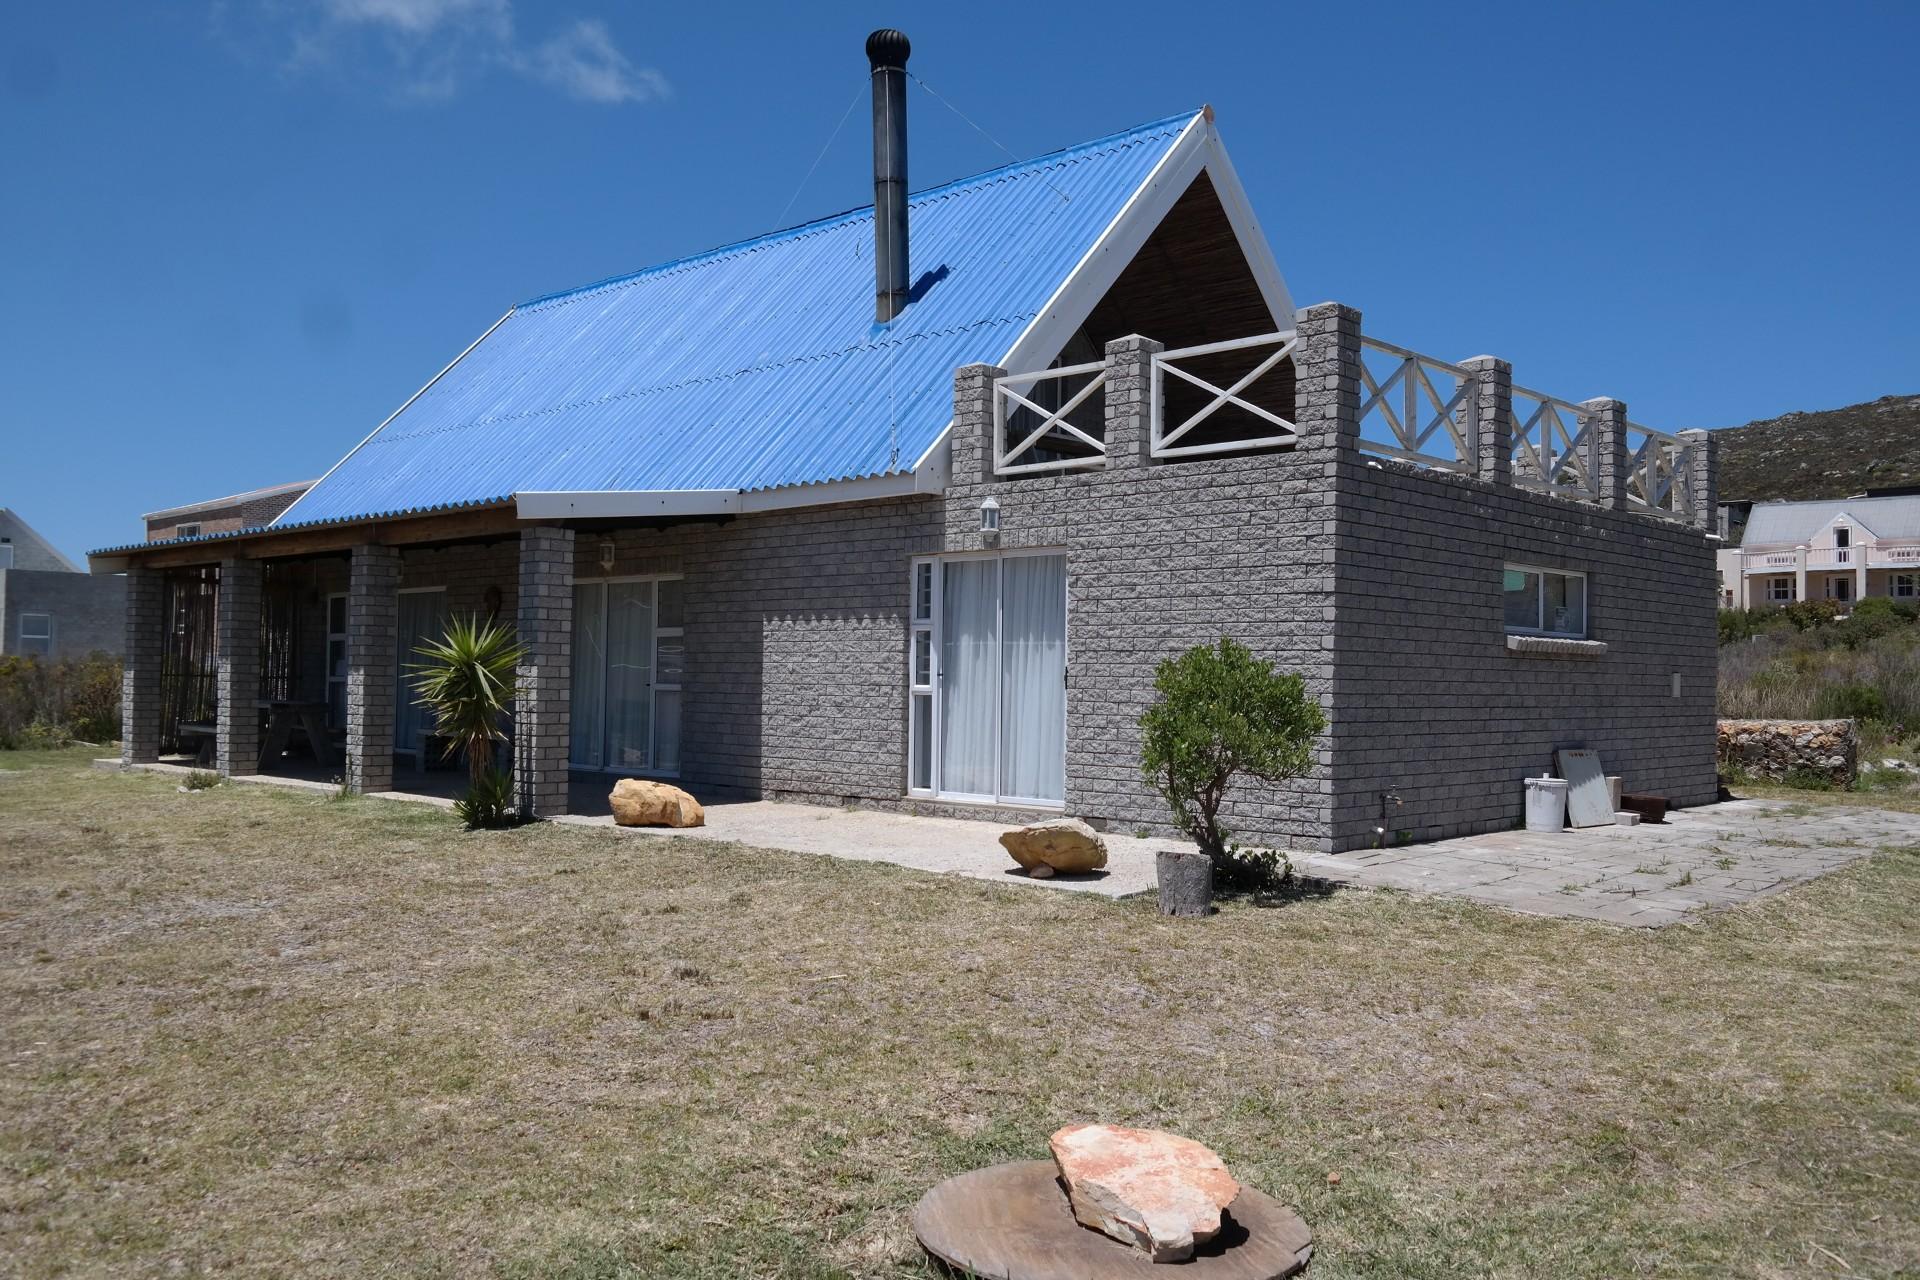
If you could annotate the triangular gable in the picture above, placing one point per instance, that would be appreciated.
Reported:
(1851, 519)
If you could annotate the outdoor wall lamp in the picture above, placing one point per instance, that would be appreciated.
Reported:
(990, 519)
(606, 554)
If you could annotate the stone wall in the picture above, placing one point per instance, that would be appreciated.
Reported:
(1787, 750)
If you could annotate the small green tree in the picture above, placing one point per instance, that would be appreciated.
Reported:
(1221, 714)
(466, 678)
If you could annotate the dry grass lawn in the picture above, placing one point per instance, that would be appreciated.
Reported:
(265, 1033)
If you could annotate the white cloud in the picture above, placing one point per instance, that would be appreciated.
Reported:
(433, 49)
(583, 62)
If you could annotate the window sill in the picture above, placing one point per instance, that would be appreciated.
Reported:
(1556, 646)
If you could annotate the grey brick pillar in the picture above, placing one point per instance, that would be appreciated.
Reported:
(1492, 418)
(1609, 418)
(1326, 364)
(146, 640)
(973, 443)
(236, 730)
(543, 701)
(1703, 477)
(373, 634)
(1129, 400)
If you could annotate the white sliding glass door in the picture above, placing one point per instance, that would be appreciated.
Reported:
(628, 655)
(987, 678)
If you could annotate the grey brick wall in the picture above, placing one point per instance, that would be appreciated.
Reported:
(86, 612)
(236, 735)
(1429, 702)
(545, 674)
(142, 646)
(796, 628)
(1161, 557)
(372, 634)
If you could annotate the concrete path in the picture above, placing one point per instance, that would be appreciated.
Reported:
(1700, 859)
(952, 846)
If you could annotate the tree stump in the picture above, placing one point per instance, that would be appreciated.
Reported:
(1186, 882)
(1014, 1221)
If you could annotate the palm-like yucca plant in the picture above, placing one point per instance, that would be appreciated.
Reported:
(466, 678)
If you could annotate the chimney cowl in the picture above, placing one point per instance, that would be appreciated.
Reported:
(888, 48)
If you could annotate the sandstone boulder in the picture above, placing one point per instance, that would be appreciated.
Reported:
(639, 803)
(1157, 1192)
(1066, 844)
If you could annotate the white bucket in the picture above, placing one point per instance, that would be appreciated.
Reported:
(1546, 804)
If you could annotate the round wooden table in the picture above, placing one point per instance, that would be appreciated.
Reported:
(1013, 1222)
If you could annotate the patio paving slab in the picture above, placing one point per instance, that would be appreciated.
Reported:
(1608, 873)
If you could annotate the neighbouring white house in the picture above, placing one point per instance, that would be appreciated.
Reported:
(1840, 549)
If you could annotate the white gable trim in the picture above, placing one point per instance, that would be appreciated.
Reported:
(1197, 150)
(1843, 516)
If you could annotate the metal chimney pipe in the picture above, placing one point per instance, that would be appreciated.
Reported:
(887, 52)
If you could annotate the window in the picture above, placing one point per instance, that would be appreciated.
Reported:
(986, 678)
(1546, 602)
(191, 530)
(36, 633)
(1905, 586)
(1780, 590)
(1840, 589)
(629, 666)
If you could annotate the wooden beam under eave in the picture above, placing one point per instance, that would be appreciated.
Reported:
(453, 526)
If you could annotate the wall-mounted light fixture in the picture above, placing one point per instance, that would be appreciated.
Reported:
(606, 553)
(990, 519)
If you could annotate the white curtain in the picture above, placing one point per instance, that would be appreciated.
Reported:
(423, 617)
(630, 675)
(1033, 694)
(969, 671)
(589, 674)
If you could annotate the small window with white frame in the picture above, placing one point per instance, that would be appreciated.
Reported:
(36, 634)
(1780, 590)
(191, 529)
(1545, 602)
(1905, 586)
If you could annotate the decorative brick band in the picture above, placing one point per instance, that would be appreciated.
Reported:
(543, 700)
(373, 635)
(140, 673)
(236, 737)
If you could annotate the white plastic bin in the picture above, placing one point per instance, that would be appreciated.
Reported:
(1546, 804)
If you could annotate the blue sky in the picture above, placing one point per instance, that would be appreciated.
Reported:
(238, 234)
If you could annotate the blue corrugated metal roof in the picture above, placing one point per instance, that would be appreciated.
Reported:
(753, 366)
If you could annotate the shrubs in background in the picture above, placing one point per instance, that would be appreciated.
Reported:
(51, 703)
(1805, 662)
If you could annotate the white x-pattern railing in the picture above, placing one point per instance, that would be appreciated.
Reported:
(1054, 427)
(1555, 447)
(1165, 440)
(1426, 407)
(1657, 473)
